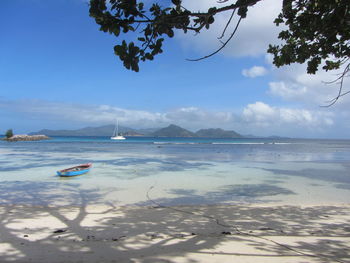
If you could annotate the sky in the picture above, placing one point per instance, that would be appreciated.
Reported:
(58, 71)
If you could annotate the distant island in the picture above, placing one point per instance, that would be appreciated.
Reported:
(170, 131)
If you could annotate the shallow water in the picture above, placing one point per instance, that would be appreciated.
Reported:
(176, 171)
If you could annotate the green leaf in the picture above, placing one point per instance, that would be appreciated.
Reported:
(119, 50)
(170, 33)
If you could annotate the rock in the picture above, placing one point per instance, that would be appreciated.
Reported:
(266, 228)
(25, 137)
(59, 231)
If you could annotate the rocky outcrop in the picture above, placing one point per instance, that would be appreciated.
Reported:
(24, 137)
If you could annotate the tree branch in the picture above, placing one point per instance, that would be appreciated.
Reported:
(223, 45)
(227, 24)
(340, 91)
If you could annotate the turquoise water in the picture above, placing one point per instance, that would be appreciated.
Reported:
(176, 171)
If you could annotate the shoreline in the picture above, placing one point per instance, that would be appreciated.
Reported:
(205, 233)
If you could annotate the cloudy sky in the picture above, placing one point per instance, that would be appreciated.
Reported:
(58, 71)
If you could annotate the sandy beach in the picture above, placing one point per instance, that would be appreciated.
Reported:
(210, 233)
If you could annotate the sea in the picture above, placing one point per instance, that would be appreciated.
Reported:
(142, 171)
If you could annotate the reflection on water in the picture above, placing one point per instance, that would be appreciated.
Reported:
(328, 175)
(182, 172)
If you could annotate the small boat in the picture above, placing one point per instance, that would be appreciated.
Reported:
(116, 135)
(76, 170)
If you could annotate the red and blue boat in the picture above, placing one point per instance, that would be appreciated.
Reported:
(76, 170)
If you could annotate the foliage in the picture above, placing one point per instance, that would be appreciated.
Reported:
(9, 133)
(317, 31)
(153, 24)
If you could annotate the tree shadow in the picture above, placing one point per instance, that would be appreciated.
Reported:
(46, 193)
(110, 233)
(235, 193)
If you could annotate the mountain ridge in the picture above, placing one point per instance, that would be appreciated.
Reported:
(170, 131)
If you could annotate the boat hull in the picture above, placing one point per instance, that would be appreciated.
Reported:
(74, 171)
(118, 138)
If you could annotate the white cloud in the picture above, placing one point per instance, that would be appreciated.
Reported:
(294, 84)
(84, 114)
(254, 34)
(260, 114)
(189, 117)
(257, 118)
(253, 72)
(291, 91)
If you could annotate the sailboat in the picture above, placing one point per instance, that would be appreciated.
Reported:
(116, 135)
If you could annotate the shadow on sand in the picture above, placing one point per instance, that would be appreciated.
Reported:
(172, 234)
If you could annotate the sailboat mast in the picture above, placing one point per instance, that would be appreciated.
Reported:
(115, 129)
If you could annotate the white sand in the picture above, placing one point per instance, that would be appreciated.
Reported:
(179, 234)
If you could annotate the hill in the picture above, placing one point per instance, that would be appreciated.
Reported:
(173, 131)
(217, 133)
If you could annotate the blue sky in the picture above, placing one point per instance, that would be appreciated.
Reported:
(58, 71)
